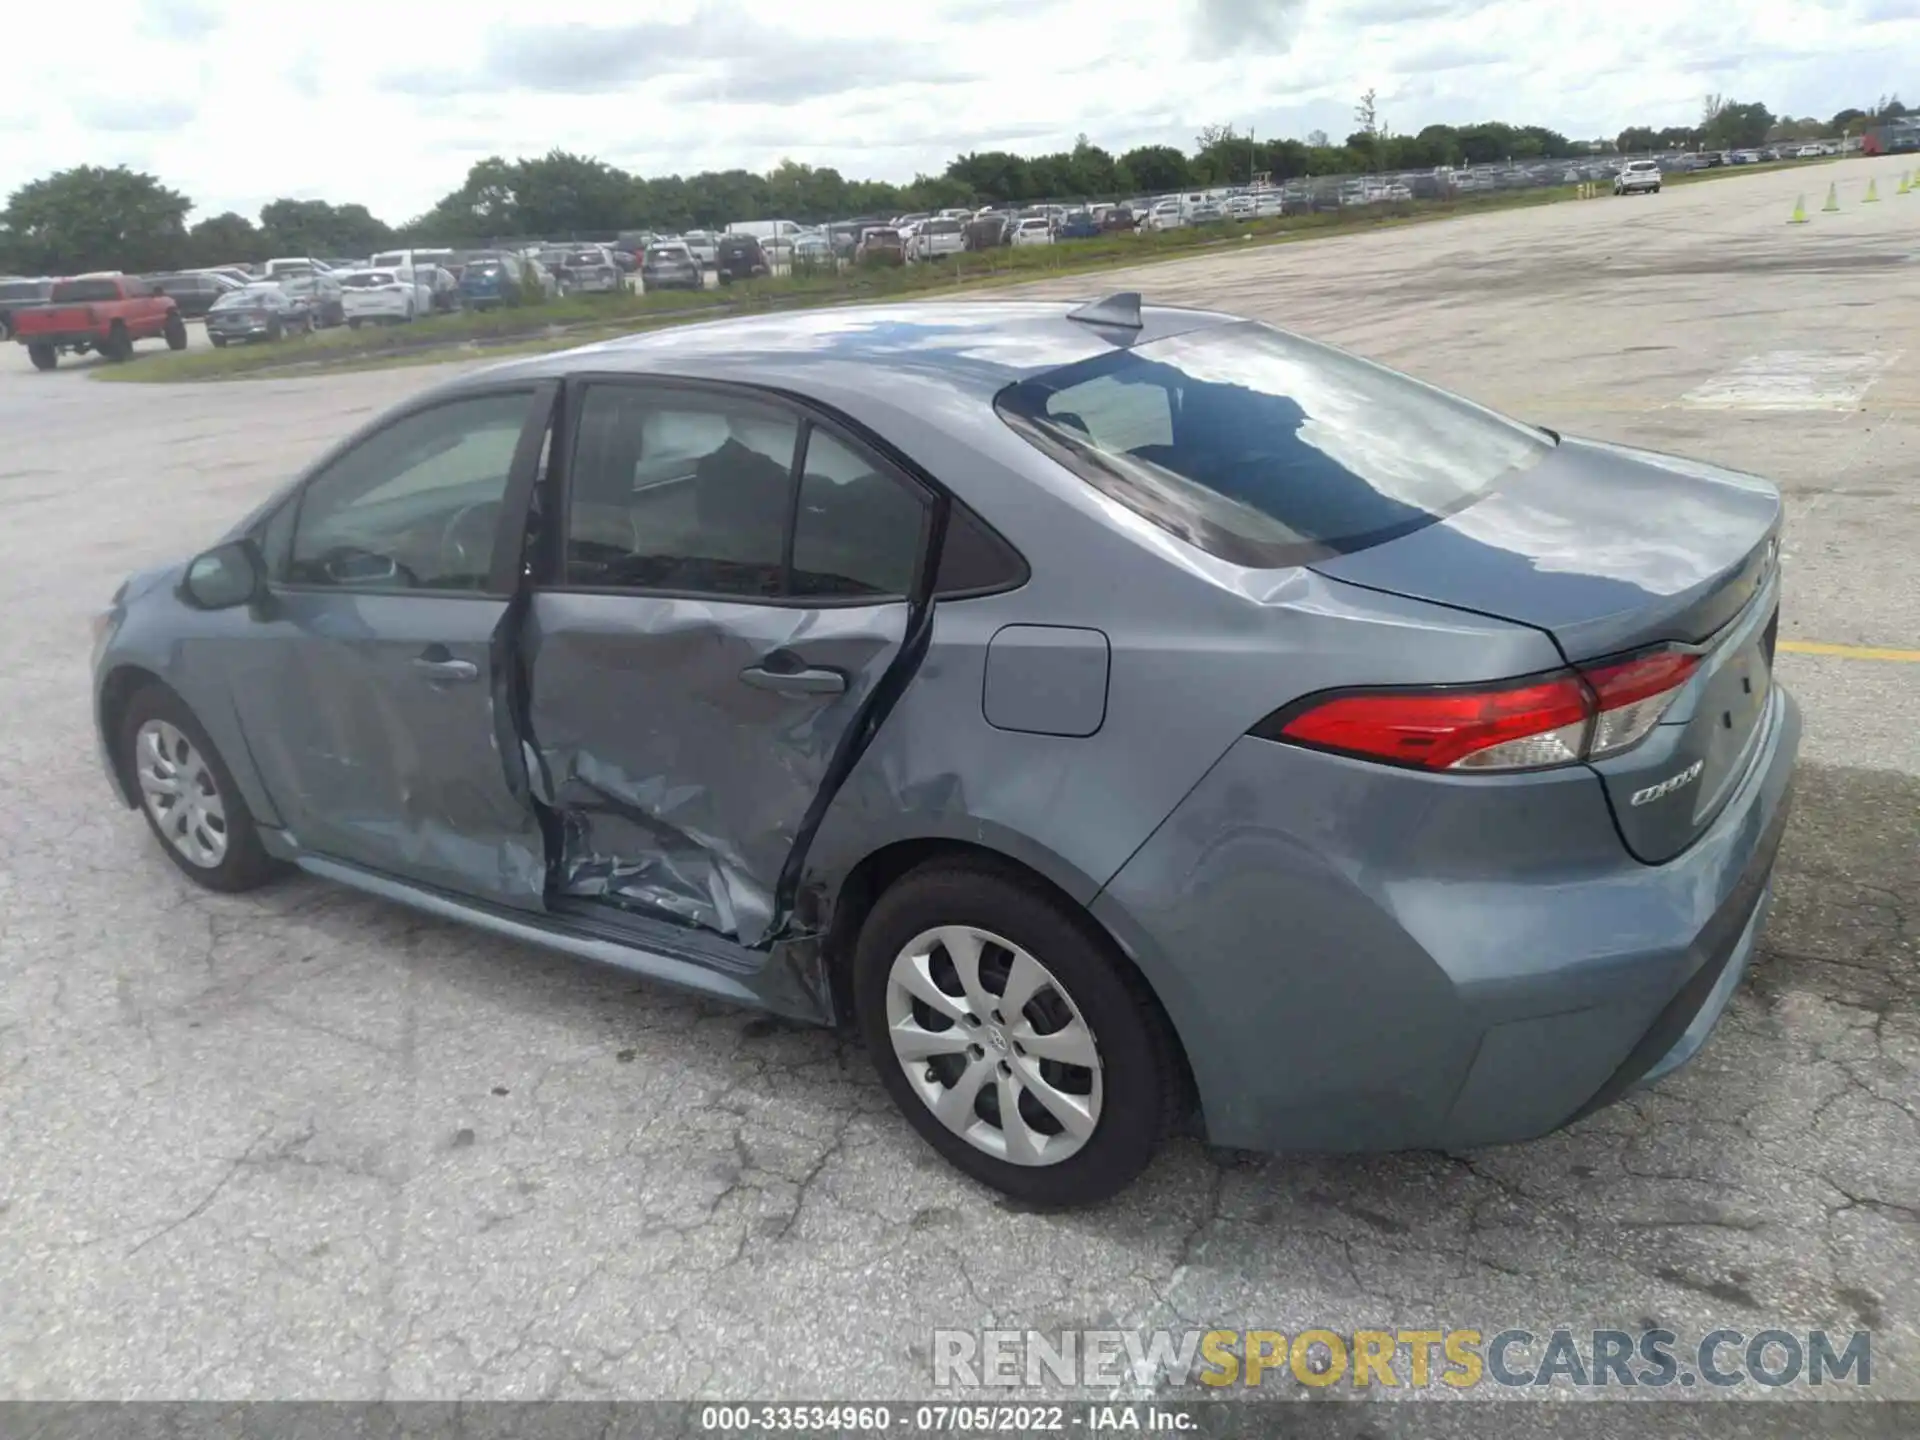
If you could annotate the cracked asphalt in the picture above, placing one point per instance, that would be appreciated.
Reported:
(305, 1144)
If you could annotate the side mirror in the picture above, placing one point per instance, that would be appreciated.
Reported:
(226, 576)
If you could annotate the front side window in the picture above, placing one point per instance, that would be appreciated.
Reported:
(414, 506)
(1264, 448)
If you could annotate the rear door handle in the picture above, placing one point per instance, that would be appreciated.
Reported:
(808, 680)
(439, 668)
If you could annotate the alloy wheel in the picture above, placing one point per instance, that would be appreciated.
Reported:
(993, 1044)
(181, 794)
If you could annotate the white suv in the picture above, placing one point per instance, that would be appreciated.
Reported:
(1637, 175)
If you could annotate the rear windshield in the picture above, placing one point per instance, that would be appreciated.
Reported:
(23, 290)
(1264, 448)
(368, 279)
(85, 292)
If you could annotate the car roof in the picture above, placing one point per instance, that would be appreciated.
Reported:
(976, 347)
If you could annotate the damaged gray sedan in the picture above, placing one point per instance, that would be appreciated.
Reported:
(1118, 714)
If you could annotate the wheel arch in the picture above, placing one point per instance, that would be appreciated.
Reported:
(115, 696)
(871, 877)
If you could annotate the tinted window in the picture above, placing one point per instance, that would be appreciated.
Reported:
(973, 558)
(672, 490)
(17, 290)
(858, 530)
(416, 504)
(85, 292)
(1265, 448)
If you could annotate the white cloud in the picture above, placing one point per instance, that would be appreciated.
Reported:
(236, 102)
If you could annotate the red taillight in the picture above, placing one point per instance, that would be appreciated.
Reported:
(1550, 720)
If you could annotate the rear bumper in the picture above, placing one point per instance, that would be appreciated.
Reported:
(1366, 960)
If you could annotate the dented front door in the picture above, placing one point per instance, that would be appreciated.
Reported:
(683, 741)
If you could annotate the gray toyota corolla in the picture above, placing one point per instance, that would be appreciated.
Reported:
(1116, 713)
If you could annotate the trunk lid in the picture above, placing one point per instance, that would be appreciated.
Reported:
(1612, 550)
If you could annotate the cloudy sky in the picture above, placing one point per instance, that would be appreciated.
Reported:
(236, 102)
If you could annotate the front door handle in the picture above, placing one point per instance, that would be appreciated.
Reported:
(802, 680)
(439, 669)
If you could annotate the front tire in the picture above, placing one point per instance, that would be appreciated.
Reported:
(44, 357)
(978, 995)
(219, 341)
(189, 797)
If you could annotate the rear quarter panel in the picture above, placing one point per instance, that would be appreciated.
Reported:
(1200, 651)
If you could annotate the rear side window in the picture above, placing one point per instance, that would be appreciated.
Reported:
(857, 531)
(1266, 449)
(85, 292)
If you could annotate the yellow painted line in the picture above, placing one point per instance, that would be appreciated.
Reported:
(1849, 652)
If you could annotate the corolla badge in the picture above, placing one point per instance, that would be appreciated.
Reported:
(1670, 784)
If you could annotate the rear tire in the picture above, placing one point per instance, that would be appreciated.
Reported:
(217, 341)
(176, 332)
(276, 331)
(188, 795)
(354, 324)
(1084, 992)
(44, 357)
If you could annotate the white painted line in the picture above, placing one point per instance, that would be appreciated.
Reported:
(1793, 380)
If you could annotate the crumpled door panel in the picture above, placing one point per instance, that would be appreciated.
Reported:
(678, 788)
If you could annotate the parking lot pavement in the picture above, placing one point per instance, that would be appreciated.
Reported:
(307, 1144)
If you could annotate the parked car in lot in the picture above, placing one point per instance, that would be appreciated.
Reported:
(704, 246)
(261, 311)
(812, 251)
(1118, 219)
(384, 296)
(1638, 177)
(937, 238)
(583, 269)
(1034, 230)
(18, 293)
(988, 231)
(1165, 215)
(489, 279)
(104, 313)
(292, 266)
(319, 293)
(1078, 225)
(442, 287)
(670, 265)
(881, 245)
(192, 292)
(739, 257)
(1349, 735)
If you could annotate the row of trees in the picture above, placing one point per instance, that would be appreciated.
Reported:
(97, 218)
(1730, 125)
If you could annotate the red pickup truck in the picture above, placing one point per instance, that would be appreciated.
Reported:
(105, 313)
